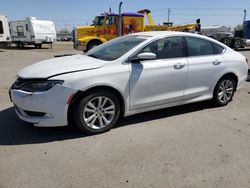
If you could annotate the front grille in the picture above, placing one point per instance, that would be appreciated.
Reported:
(36, 114)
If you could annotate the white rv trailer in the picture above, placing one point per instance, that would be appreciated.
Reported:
(32, 32)
(5, 38)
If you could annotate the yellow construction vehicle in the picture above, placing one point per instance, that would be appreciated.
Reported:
(167, 26)
(110, 25)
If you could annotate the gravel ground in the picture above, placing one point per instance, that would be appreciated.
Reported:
(192, 146)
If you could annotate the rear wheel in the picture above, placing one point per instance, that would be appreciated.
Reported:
(237, 44)
(227, 41)
(20, 45)
(38, 46)
(224, 91)
(97, 112)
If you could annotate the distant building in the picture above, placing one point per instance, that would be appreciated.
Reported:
(214, 29)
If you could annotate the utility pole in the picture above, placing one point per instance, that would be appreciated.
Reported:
(169, 11)
(120, 20)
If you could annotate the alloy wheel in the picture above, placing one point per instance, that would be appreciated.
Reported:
(99, 112)
(225, 91)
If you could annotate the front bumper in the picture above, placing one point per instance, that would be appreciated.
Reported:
(43, 109)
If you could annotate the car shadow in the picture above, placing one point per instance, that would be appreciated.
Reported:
(27, 48)
(13, 131)
(243, 49)
(164, 113)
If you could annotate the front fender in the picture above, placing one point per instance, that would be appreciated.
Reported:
(88, 39)
(83, 42)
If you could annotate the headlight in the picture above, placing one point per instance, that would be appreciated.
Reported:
(35, 85)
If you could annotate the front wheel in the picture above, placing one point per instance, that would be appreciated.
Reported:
(97, 112)
(93, 44)
(224, 91)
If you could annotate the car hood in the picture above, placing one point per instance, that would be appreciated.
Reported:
(61, 65)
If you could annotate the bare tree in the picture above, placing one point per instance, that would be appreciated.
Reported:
(238, 27)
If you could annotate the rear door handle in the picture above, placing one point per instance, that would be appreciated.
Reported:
(179, 66)
(216, 62)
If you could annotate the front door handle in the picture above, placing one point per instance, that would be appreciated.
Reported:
(216, 62)
(179, 66)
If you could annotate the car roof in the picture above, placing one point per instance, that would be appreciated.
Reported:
(158, 34)
(163, 33)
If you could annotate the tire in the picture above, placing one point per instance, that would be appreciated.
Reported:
(237, 44)
(89, 114)
(227, 41)
(93, 44)
(38, 46)
(20, 45)
(224, 91)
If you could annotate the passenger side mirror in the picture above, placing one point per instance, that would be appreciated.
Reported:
(143, 56)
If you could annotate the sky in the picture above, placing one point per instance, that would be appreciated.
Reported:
(68, 14)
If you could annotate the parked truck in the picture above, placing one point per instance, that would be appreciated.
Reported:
(239, 39)
(32, 32)
(5, 38)
(236, 40)
(109, 25)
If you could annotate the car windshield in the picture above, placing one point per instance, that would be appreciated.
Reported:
(114, 49)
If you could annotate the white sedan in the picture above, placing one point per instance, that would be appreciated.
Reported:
(128, 75)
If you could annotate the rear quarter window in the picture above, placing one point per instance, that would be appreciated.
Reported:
(217, 49)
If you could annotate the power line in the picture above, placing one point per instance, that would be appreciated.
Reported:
(72, 20)
(200, 8)
(197, 15)
(208, 15)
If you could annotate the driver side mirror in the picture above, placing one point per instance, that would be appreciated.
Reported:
(143, 56)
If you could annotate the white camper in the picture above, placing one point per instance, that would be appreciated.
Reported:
(33, 32)
(4, 31)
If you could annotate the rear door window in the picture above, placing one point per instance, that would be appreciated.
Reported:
(199, 47)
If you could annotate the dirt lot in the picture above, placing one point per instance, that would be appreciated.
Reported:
(189, 146)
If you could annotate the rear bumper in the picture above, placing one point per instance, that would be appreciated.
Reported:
(242, 81)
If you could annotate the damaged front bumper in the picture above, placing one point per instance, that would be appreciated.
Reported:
(43, 109)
